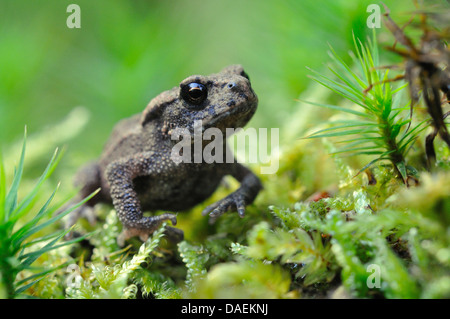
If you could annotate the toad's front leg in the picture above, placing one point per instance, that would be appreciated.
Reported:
(120, 175)
(243, 196)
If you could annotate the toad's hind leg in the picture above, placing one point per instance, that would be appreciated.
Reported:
(88, 180)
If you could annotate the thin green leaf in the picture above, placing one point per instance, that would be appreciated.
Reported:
(17, 238)
(402, 169)
(2, 189)
(411, 144)
(342, 63)
(338, 127)
(394, 132)
(337, 89)
(387, 105)
(394, 114)
(362, 62)
(41, 274)
(357, 149)
(410, 140)
(365, 153)
(342, 133)
(25, 287)
(31, 257)
(58, 216)
(411, 132)
(43, 238)
(373, 44)
(336, 122)
(11, 198)
(356, 90)
(368, 139)
(337, 108)
(370, 164)
(348, 90)
(395, 91)
(361, 141)
(22, 207)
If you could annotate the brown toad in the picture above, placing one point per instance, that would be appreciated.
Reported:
(136, 172)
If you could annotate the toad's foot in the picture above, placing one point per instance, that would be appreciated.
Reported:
(233, 202)
(151, 225)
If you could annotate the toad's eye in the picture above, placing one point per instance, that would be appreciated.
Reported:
(194, 93)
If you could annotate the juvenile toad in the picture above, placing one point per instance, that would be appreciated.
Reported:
(136, 173)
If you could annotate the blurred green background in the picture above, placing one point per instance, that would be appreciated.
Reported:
(127, 52)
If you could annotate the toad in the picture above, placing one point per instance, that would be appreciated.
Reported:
(137, 173)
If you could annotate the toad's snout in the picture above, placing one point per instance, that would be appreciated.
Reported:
(242, 86)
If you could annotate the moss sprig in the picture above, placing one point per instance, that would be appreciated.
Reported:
(375, 125)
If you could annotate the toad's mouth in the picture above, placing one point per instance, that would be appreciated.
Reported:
(234, 117)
